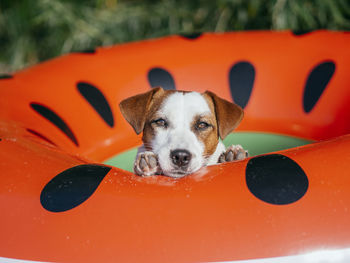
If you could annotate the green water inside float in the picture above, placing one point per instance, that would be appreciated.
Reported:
(256, 143)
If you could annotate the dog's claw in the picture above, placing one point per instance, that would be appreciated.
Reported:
(233, 153)
(229, 156)
(146, 164)
(143, 163)
(152, 161)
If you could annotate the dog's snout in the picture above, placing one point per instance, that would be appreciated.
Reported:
(180, 157)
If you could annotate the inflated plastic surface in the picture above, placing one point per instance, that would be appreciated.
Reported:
(59, 120)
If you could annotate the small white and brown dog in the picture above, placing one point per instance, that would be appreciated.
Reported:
(182, 130)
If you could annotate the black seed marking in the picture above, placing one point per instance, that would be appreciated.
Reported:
(6, 76)
(86, 51)
(158, 77)
(316, 83)
(72, 187)
(241, 79)
(41, 136)
(302, 32)
(54, 119)
(97, 100)
(191, 36)
(276, 179)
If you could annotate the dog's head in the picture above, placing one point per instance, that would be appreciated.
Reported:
(182, 128)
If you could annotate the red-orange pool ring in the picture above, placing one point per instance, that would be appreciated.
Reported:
(60, 119)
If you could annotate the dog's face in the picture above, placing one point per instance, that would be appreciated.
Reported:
(181, 128)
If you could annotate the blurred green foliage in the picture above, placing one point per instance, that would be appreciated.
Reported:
(35, 30)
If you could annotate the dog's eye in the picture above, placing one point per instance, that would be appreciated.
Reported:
(161, 123)
(202, 125)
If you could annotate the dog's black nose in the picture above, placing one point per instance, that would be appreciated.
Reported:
(180, 157)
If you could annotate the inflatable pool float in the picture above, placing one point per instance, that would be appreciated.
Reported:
(60, 127)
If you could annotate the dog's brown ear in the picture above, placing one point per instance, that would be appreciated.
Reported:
(135, 107)
(228, 114)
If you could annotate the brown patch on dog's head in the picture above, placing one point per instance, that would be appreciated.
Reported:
(209, 135)
(141, 109)
(134, 109)
(228, 115)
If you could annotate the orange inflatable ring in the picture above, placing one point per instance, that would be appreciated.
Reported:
(60, 119)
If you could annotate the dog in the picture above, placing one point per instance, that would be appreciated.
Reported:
(182, 130)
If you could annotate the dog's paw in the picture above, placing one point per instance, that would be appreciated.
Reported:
(233, 153)
(146, 164)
